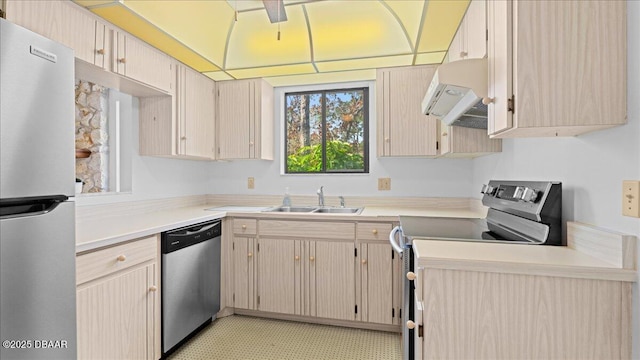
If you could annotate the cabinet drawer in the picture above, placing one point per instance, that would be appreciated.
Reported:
(245, 226)
(308, 229)
(373, 231)
(104, 262)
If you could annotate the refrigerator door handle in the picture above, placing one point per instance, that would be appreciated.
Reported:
(15, 208)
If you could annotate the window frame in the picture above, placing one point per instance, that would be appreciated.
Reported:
(365, 135)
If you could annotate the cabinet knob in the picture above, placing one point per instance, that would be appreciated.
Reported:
(364, 261)
(183, 138)
(244, 227)
(122, 60)
(100, 51)
(250, 143)
(444, 134)
(375, 231)
(463, 54)
(153, 288)
(297, 257)
(487, 100)
(411, 276)
(311, 258)
(411, 325)
(121, 258)
(250, 254)
(386, 139)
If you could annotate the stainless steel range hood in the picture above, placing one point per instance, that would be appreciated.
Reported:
(456, 92)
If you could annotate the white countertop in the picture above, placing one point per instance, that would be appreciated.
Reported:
(558, 261)
(96, 233)
(109, 230)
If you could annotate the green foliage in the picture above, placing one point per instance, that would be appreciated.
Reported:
(340, 156)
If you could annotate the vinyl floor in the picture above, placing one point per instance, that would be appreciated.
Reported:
(244, 337)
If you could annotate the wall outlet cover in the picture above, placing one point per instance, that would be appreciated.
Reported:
(251, 183)
(631, 198)
(384, 184)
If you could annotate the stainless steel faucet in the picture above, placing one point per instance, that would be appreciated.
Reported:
(341, 201)
(321, 196)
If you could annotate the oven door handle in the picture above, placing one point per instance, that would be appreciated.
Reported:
(392, 240)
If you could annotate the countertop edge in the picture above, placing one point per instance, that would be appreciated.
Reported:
(143, 232)
(505, 267)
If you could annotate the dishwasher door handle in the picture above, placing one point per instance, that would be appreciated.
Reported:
(202, 229)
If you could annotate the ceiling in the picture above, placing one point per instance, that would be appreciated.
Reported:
(321, 41)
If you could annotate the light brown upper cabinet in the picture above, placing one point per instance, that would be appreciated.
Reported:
(139, 61)
(196, 117)
(64, 22)
(182, 125)
(470, 42)
(556, 68)
(245, 119)
(402, 128)
(457, 141)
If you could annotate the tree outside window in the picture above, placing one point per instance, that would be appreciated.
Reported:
(327, 131)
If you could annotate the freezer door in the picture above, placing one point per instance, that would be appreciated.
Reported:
(37, 285)
(37, 126)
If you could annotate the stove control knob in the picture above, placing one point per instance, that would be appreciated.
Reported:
(488, 189)
(529, 195)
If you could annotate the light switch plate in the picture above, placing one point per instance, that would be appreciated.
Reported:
(384, 183)
(251, 183)
(631, 198)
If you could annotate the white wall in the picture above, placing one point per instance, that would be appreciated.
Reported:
(591, 167)
(155, 178)
(409, 177)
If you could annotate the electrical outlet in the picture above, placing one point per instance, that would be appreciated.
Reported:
(384, 183)
(251, 183)
(631, 198)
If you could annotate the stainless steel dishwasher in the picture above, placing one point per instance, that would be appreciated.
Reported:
(190, 281)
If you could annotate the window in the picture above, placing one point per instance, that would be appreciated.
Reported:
(327, 131)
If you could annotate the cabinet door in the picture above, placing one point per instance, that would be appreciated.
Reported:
(243, 278)
(334, 266)
(61, 21)
(475, 27)
(139, 61)
(116, 316)
(377, 283)
(404, 130)
(457, 47)
(197, 113)
(276, 276)
(499, 52)
(234, 120)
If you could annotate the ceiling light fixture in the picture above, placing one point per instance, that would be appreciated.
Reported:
(275, 10)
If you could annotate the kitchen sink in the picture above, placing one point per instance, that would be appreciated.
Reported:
(331, 210)
(314, 210)
(299, 209)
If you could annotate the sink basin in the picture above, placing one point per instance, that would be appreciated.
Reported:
(337, 210)
(314, 210)
(300, 209)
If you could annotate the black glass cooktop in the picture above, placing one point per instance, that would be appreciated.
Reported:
(463, 229)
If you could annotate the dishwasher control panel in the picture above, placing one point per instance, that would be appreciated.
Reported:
(182, 237)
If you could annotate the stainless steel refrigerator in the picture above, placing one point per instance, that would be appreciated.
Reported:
(37, 209)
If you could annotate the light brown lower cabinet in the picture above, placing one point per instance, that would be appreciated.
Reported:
(482, 315)
(312, 269)
(289, 268)
(118, 302)
(243, 273)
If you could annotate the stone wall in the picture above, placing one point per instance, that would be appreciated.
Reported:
(92, 134)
